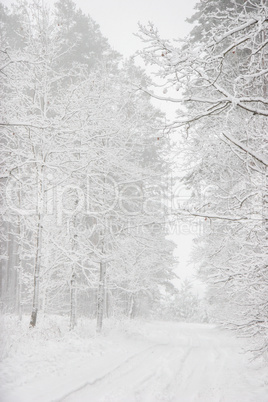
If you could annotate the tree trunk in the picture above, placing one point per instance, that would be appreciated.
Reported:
(73, 302)
(100, 297)
(19, 273)
(18, 298)
(37, 273)
(73, 285)
(10, 262)
(131, 311)
(106, 301)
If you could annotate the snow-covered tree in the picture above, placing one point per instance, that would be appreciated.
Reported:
(83, 165)
(219, 77)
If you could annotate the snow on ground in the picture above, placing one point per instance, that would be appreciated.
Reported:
(131, 361)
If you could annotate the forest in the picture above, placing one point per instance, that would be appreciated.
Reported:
(89, 169)
(83, 172)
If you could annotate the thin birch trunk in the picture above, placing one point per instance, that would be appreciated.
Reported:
(37, 268)
(73, 296)
(19, 281)
(37, 273)
(18, 296)
(101, 288)
(19, 267)
(100, 297)
(132, 306)
(73, 284)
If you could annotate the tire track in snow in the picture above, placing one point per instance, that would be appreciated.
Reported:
(141, 354)
(161, 387)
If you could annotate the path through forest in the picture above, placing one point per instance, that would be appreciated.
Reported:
(161, 362)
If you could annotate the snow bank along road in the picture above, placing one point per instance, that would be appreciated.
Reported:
(160, 362)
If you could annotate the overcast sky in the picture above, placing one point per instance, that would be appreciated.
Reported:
(118, 19)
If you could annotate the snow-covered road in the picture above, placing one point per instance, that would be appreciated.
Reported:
(161, 362)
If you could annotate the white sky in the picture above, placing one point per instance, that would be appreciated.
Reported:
(118, 19)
